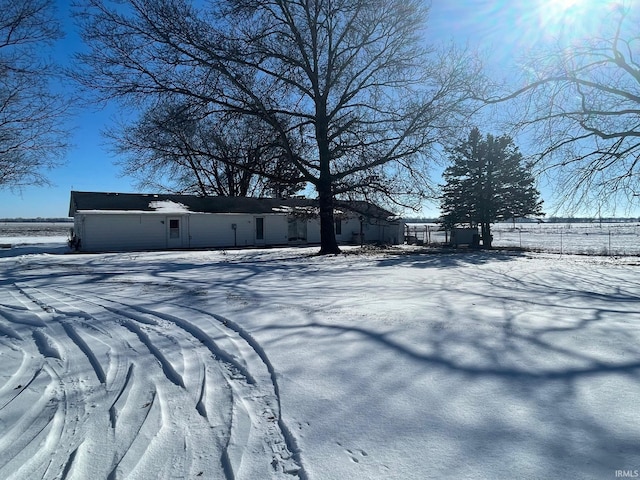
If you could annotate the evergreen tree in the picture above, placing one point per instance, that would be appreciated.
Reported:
(487, 181)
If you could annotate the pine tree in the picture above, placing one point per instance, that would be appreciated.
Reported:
(487, 181)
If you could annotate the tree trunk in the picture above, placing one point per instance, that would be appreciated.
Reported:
(328, 243)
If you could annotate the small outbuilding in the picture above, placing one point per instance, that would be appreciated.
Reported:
(130, 221)
(465, 236)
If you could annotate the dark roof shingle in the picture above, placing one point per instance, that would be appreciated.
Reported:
(145, 202)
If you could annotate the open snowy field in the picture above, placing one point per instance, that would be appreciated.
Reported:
(578, 238)
(582, 238)
(34, 233)
(262, 364)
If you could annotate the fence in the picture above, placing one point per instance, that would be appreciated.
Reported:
(577, 238)
(425, 234)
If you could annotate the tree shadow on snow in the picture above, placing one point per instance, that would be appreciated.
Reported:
(527, 374)
(430, 258)
(535, 376)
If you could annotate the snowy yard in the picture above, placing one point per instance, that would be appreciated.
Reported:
(262, 364)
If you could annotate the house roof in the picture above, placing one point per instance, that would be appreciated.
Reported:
(170, 203)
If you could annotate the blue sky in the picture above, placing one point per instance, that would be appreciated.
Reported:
(505, 27)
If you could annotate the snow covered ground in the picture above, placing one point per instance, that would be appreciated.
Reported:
(257, 364)
(582, 238)
(34, 233)
(621, 238)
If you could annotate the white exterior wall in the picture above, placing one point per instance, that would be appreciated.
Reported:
(392, 233)
(350, 230)
(99, 232)
(123, 231)
(313, 230)
(216, 230)
(209, 230)
(383, 233)
(276, 229)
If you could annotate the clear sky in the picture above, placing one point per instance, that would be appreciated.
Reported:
(506, 28)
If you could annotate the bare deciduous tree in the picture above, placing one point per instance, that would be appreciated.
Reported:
(31, 136)
(177, 148)
(581, 103)
(348, 88)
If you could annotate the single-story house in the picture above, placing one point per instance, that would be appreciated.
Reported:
(128, 221)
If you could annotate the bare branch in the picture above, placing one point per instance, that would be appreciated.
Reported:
(32, 138)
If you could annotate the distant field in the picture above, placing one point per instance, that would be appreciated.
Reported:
(35, 229)
(580, 238)
(27, 233)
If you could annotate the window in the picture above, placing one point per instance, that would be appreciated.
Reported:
(338, 226)
(259, 228)
(174, 228)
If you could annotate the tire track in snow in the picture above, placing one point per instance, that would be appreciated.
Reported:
(37, 420)
(201, 408)
(64, 312)
(69, 464)
(290, 443)
(21, 388)
(169, 372)
(283, 443)
(148, 426)
(289, 438)
(8, 331)
(123, 393)
(48, 347)
(20, 314)
(236, 405)
(128, 462)
(243, 431)
(198, 334)
(64, 432)
(51, 346)
(88, 351)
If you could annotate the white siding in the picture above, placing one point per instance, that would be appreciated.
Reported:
(149, 231)
(208, 230)
(113, 232)
(373, 231)
(313, 230)
(350, 230)
(215, 230)
(276, 229)
(383, 232)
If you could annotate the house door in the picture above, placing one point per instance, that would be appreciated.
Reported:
(174, 232)
(260, 231)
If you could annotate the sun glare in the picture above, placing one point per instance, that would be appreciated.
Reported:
(571, 18)
(564, 5)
